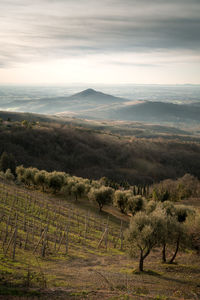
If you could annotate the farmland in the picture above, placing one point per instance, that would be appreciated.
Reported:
(58, 248)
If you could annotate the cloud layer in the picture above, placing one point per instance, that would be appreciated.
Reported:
(34, 31)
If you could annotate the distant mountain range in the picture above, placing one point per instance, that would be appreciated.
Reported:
(97, 105)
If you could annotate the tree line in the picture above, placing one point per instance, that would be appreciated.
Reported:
(157, 221)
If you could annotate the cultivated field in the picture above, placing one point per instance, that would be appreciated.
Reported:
(61, 249)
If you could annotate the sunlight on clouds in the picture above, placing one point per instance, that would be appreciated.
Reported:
(108, 41)
(116, 68)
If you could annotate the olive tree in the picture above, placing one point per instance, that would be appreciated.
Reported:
(143, 235)
(102, 196)
(20, 171)
(174, 232)
(56, 180)
(40, 179)
(193, 230)
(29, 175)
(78, 189)
(136, 204)
(9, 176)
(68, 187)
(179, 233)
(121, 200)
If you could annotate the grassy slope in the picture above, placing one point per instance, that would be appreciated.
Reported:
(86, 271)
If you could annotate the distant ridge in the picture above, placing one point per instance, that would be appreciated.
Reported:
(157, 112)
(85, 100)
(93, 104)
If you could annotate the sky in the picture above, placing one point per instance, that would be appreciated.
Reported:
(106, 42)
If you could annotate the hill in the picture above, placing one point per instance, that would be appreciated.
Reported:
(81, 149)
(95, 96)
(85, 100)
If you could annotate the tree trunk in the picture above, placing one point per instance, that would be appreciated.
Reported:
(142, 258)
(164, 253)
(176, 251)
(141, 263)
(122, 210)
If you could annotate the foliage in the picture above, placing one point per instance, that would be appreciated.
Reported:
(143, 235)
(7, 161)
(40, 179)
(161, 224)
(86, 153)
(102, 196)
(20, 171)
(136, 204)
(9, 176)
(56, 180)
(173, 231)
(121, 200)
(193, 228)
(174, 190)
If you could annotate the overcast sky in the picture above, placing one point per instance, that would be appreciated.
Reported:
(103, 41)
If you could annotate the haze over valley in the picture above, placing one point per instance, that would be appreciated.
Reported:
(146, 103)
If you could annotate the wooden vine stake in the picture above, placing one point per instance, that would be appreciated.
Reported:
(106, 234)
(121, 237)
(9, 243)
(14, 243)
(41, 237)
(102, 237)
(60, 243)
(6, 234)
(67, 240)
(44, 244)
(26, 240)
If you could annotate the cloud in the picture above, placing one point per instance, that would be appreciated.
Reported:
(47, 29)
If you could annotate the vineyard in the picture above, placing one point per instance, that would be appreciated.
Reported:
(56, 248)
(33, 221)
(36, 227)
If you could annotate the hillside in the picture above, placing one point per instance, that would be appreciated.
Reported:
(57, 248)
(180, 131)
(62, 232)
(87, 152)
(158, 112)
(96, 96)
